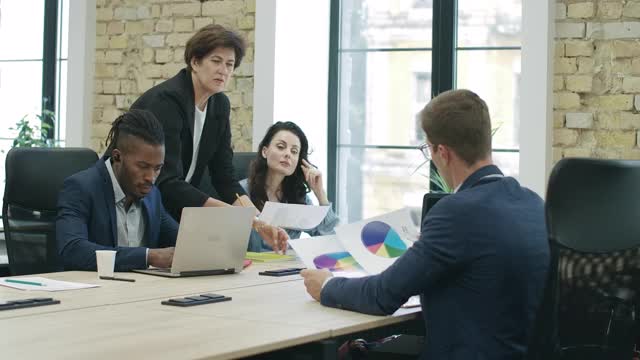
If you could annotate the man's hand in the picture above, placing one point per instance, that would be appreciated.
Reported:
(160, 258)
(314, 279)
(273, 235)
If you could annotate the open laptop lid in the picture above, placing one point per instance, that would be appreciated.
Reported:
(211, 240)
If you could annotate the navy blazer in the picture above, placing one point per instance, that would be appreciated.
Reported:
(87, 222)
(172, 102)
(480, 267)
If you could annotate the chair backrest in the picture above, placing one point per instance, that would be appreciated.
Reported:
(34, 177)
(592, 213)
(428, 201)
(242, 163)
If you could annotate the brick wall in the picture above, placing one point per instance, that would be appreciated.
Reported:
(597, 79)
(140, 43)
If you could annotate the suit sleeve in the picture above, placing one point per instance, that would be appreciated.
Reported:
(221, 164)
(75, 247)
(176, 192)
(437, 253)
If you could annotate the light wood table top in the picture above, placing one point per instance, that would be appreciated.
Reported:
(288, 304)
(146, 287)
(259, 319)
(140, 331)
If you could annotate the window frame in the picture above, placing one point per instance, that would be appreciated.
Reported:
(443, 78)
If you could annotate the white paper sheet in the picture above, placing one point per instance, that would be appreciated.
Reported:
(47, 284)
(326, 252)
(293, 216)
(377, 242)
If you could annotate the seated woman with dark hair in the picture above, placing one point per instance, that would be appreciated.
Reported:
(281, 173)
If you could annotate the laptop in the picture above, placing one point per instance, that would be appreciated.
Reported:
(211, 241)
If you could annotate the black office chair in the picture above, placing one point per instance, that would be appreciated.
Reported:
(589, 310)
(34, 178)
(241, 162)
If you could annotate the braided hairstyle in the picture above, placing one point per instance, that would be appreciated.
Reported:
(294, 186)
(141, 124)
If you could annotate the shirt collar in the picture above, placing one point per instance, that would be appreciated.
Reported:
(117, 190)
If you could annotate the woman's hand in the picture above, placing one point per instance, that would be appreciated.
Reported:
(274, 236)
(314, 179)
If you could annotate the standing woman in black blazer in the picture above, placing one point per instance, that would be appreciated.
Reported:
(194, 113)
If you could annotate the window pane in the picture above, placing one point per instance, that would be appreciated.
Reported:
(489, 22)
(380, 95)
(376, 181)
(20, 93)
(495, 76)
(508, 162)
(386, 24)
(26, 19)
(63, 25)
(61, 97)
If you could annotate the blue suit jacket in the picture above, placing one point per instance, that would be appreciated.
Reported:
(480, 266)
(86, 222)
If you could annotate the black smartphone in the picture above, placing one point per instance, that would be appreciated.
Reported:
(281, 272)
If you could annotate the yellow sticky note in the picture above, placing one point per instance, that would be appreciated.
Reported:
(267, 256)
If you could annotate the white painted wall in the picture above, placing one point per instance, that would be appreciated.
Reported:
(536, 107)
(264, 68)
(81, 70)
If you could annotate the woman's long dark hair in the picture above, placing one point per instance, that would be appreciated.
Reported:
(294, 186)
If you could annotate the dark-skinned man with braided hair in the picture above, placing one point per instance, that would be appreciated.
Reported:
(115, 205)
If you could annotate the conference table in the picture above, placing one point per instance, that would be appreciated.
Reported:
(125, 320)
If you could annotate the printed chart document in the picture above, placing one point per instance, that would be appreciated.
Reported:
(293, 216)
(377, 242)
(325, 252)
(42, 284)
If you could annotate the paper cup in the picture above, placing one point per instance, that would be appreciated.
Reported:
(106, 260)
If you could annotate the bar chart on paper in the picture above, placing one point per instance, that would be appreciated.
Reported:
(381, 240)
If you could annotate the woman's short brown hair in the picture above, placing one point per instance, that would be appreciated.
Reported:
(459, 119)
(211, 37)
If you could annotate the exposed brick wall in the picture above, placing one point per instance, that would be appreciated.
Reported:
(140, 43)
(597, 79)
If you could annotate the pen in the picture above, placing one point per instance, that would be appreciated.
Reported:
(241, 202)
(116, 278)
(24, 282)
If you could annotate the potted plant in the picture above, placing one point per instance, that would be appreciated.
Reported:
(33, 135)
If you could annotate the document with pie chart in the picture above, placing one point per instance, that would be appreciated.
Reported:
(324, 252)
(377, 242)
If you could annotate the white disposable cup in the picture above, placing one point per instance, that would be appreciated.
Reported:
(106, 260)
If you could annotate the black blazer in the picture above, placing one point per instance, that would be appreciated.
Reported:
(172, 102)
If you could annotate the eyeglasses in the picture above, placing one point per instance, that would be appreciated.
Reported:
(426, 151)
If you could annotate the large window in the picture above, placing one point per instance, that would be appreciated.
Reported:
(386, 60)
(33, 58)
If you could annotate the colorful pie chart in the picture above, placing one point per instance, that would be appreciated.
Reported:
(338, 261)
(381, 240)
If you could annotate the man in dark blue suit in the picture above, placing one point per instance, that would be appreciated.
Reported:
(115, 205)
(482, 258)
